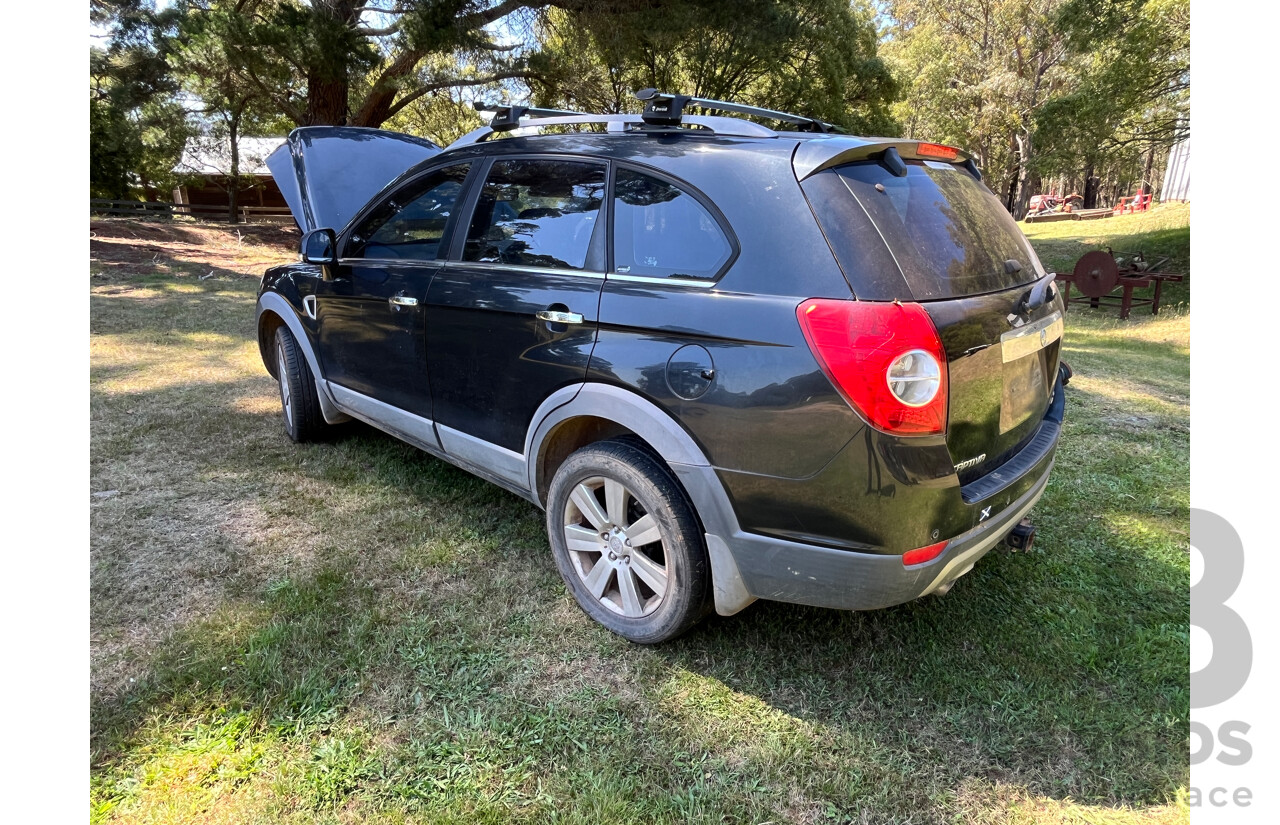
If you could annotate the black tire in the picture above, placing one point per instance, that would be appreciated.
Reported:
(299, 403)
(651, 499)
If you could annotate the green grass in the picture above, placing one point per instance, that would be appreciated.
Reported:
(355, 631)
(1163, 232)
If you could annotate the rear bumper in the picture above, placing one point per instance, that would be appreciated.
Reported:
(749, 566)
(819, 576)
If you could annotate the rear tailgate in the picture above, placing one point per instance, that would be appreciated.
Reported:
(1001, 377)
(934, 234)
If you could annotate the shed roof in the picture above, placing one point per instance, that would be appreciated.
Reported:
(209, 155)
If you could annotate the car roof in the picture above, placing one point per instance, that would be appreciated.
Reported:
(627, 145)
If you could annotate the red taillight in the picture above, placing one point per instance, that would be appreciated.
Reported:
(923, 554)
(857, 342)
(937, 150)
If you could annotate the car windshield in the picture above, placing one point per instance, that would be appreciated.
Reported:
(946, 232)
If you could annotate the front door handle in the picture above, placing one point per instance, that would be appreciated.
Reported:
(398, 301)
(554, 317)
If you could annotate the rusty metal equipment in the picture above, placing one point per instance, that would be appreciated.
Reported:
(1098, 274)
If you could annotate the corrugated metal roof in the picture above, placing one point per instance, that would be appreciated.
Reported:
(1177, 174)
(208, 155)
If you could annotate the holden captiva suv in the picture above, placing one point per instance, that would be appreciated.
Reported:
(729, 362)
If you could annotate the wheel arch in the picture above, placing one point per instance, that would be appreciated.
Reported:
(275, 311)
(577, 415)
(580, 414)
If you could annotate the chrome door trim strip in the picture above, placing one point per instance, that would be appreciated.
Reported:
(644, 279)
(453, 266)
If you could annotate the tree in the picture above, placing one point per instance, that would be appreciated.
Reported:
(229, 104)
(1132, 101)
(981, 74)
(1045, 87)
(817, 57)
(136, 124)
(362, 62)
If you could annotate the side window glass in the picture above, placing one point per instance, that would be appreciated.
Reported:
(410, 224)
(661, 231)
(536, 213)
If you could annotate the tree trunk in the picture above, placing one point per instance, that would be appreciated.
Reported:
(329, 76)
(1091, 185)
(1026, 181)
(233, 185)
(326, 100)
(1146, 186)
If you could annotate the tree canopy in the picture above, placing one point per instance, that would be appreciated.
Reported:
(1043, 87)
(1077, 92)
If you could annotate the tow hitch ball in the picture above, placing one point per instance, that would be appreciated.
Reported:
(1021, 537)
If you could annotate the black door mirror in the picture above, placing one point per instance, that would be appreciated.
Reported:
(320, 246)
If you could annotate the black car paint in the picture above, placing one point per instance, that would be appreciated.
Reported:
(794, 459)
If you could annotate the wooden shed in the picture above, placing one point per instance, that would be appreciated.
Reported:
(205, 174)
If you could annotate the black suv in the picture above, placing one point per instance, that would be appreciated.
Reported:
(729, 362)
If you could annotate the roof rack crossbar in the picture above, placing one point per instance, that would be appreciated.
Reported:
(732, 126)
(507, 117)
(667, 109)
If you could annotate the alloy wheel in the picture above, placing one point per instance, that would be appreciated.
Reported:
(616, 547)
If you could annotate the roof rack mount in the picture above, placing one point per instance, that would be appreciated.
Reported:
(663, 109)
(519, 117)
(506, 117)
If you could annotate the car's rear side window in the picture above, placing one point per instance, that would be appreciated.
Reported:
(945, 231)
(538, 213)
(662, 231)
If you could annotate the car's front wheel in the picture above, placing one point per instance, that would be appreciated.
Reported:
(627, 542)
(299, 402)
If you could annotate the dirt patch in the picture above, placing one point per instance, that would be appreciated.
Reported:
(123, 248)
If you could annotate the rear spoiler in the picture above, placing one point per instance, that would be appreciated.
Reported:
(814, 155)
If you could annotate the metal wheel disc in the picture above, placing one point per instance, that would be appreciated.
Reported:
(616, 547)
(1096, 274)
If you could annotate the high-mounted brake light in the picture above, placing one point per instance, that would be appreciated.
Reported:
(937, 150)
(885, 358)
(923, 554)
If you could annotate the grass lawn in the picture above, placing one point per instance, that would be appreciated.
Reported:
(355, 631)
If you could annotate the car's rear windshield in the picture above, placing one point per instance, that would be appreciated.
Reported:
(938, 226)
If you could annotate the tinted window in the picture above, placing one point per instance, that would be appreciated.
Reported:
(947, 233)
(411, 223)
(536, 213)
(661, 231)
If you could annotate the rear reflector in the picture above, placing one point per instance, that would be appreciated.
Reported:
(923, 554)
(937, 150)
(861, 344)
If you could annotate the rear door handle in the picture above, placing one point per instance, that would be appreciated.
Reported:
(554, 317)
(397, 301)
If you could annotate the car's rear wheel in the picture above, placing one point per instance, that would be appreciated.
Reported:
(627, 542)
(299, 402)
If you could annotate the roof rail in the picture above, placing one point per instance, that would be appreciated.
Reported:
(668, 110)
(731, 126)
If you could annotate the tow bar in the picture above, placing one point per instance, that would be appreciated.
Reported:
(1022, 536)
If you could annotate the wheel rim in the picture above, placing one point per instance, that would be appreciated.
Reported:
(616, 547)
(286, 398)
